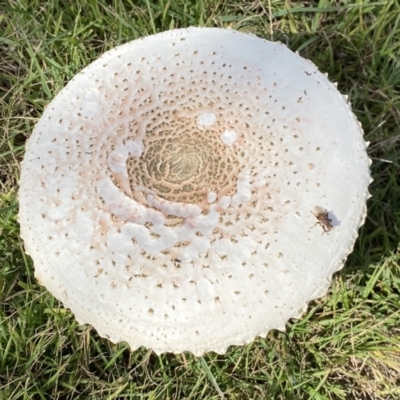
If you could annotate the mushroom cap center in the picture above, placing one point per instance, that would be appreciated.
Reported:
(183, 163)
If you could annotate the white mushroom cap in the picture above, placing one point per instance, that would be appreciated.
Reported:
(168, 191)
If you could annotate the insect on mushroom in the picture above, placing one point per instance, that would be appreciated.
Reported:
(324, 221)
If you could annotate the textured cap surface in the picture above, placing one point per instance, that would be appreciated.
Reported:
(168, 191)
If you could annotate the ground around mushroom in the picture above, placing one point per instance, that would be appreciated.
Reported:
(347, 345)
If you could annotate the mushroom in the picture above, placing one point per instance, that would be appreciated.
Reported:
(168, 192)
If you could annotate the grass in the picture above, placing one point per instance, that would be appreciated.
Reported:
(347, 346)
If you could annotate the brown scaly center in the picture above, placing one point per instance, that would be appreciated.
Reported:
(183, 163)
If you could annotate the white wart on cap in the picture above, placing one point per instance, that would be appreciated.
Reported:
(168, 191)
